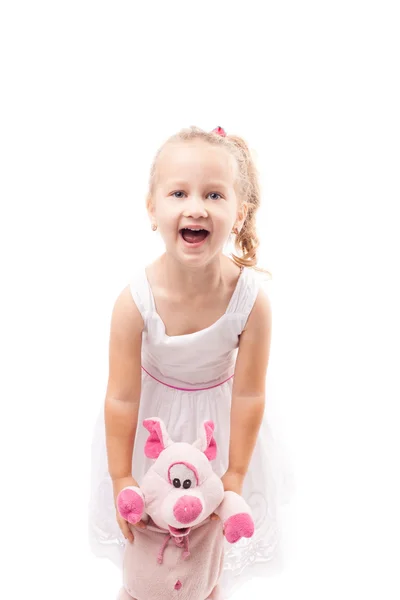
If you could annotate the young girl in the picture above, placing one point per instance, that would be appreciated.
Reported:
(190, 341)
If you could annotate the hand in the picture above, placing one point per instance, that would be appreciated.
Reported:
(232, 482)
(118, 485)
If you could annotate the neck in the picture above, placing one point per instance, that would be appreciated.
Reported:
(193, 282)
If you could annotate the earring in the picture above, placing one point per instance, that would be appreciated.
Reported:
(154, 227)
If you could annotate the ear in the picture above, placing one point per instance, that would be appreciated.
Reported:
(158, 439)
(151, 211)
(150, 206)
(241, 215)
(206, 442)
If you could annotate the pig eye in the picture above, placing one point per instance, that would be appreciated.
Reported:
(182, 476)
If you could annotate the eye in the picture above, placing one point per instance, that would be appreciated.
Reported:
(215, 194)
(179, 192)
(182, 476)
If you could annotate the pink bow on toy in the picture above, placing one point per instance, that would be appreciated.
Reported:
(219, 131)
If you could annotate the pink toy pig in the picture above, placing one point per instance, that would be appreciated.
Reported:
(176, 498)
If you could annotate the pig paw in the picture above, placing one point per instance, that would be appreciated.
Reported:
(130, 505)
(238, 526)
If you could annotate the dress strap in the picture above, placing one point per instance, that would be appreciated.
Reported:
(142, 294)
(245, 295)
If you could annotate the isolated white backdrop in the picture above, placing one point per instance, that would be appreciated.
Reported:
(88, 92)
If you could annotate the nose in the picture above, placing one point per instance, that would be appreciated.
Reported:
(187, 509)
(195, 208)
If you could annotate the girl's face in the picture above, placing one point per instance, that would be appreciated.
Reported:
(194, 203)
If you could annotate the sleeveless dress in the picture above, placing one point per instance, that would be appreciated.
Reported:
(187, 380)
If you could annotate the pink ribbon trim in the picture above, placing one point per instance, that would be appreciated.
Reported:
(186, 389)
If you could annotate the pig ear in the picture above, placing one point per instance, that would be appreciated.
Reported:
(158, 439)
(206, 442)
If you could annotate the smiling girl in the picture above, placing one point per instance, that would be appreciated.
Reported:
(190, 341)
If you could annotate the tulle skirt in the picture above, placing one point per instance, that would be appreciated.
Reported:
(268, 484)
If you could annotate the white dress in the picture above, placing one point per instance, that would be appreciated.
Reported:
(186, 380)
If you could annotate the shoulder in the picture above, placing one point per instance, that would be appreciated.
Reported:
(125, 346)
(256, 300)
(260, 316)
(254, 348)
(126, 317)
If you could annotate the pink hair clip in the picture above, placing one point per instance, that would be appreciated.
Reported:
(219, 131)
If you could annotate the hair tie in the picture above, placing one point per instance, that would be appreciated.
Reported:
(219, 131)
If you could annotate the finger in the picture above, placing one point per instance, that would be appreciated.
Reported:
(127, 531)
(130, 536)
(141, 524)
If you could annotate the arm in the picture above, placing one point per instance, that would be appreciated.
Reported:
(124, 386)
(248, 393)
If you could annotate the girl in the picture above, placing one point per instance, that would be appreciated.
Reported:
(190, 341)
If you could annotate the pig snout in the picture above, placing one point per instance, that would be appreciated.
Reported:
(187, 509)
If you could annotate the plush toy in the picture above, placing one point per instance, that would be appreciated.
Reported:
(180, 553)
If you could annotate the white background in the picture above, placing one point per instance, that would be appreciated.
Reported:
(89, 90)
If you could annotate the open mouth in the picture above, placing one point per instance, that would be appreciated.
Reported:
(179, 532)
(194, 237)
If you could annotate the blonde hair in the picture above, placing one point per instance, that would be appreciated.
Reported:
(246, 241)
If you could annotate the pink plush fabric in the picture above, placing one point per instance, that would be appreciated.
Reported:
(180, 554)
(238, 526)
(187, 509)
(211, 450)
(192, 578)
(188, 465)
(154, 445)
(130, 506)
